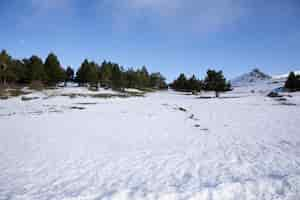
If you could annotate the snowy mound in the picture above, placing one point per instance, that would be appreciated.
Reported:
(253, 77)
(284, 76)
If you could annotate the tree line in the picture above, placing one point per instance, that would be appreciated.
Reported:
(51, 72)
(112, 75)
(214, 81)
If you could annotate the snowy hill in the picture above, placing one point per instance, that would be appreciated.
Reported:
(284, 76)
(251, 78)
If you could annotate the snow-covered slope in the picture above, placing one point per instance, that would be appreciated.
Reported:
(251, 78)
(284, 76)
(165, 146)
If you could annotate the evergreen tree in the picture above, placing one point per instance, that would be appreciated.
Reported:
(109, 74)
(157, 81)
(55, 73)
(293, 82)
(105, 73)
(5, 72)
(18, 71)
(35, 69)
(130, 78)
(69, 74)
(92, 74)
(180, 83)
(87, 73)
(144, 77)
(215, 81)
(194, 84)
(116, 77)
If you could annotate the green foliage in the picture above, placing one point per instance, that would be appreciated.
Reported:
(87, 73)
(18, 71)
(69, 74)
(293, 82)
(5, 58)
(182, 83)
(157, 81)
(35, 69)
(105, 73)
(194, 84)
(5, 71)
(117, 79)
(215, 81)
(109, 74)
(55, 73)
(114, 76)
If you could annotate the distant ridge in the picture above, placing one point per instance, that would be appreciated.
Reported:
(250, 78)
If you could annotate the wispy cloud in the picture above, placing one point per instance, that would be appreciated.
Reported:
(195, 15)
(44, 12)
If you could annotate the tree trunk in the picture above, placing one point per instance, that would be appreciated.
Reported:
(217, 94)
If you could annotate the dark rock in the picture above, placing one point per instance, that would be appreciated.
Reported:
(77, 108)
(182, 109)
(29, 98)
(274, 94)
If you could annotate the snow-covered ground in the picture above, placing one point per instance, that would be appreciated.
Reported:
(164, 146)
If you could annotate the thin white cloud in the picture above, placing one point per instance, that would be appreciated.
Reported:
(196, 15)
(44, 11)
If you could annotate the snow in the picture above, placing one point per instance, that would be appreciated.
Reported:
(133, 90)
(166, 145)
(252, 78)
(284, 76)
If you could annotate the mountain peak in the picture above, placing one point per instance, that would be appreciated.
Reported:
(252, 77)
(259, 74)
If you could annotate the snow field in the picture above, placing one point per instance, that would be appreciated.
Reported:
(164, 146)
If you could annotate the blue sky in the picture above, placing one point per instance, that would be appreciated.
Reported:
(170, 36)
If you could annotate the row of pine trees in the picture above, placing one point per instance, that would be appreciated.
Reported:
(214, 81)
(51, 72)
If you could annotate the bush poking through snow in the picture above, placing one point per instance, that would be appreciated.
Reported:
(36, 85)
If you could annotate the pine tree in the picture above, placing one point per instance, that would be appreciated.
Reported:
(117, 79)
(5, 62)
(87, 73)
(144, 77)
(293, 82)
(55, 73)
(157, 81)
(215, 81)
(194, 84)
(18, 71)
(36, 70)
(106, 73)
(180, 83)
(92, 74)
(69, 74)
